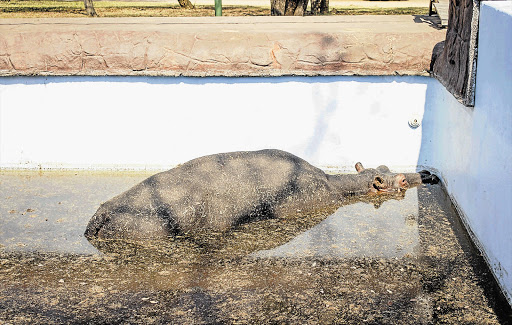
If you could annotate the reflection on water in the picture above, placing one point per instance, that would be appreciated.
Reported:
(408, 261)
(359, 230)
(49, 211)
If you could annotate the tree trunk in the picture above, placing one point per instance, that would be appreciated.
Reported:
(186, 4)
(288, 7)
(89, 8)
(319, 7)
(324, 7)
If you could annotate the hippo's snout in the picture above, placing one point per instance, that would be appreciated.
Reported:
(390, 183)
(94, 226)
(402, 182)
(120, 224)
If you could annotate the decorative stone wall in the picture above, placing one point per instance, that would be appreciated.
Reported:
(217, 46)
(455, 66)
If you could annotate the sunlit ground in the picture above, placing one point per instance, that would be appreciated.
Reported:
(56, 9)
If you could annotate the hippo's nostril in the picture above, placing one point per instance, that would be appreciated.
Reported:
(401, 182)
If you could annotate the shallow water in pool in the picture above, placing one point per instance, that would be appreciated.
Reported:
(402, 258)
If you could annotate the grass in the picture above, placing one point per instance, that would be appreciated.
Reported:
(60, 9)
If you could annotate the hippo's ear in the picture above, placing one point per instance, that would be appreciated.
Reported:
(383, 169)
(359, 167)
(378, 182)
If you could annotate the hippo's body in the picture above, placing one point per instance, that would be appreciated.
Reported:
(219, 191)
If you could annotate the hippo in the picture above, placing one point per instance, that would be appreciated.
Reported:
(220, 191)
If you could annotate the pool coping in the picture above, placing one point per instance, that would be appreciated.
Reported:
(218, 46)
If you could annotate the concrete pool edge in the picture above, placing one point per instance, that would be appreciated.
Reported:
(222, 46)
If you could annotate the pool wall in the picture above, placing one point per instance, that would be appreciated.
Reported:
(473, 147)
(154, 123)
(142, 122)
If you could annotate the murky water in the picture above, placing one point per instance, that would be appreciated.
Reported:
(382, 260)
(359, 230)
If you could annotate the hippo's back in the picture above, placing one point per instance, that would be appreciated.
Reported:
(220, 190)
(212, 192)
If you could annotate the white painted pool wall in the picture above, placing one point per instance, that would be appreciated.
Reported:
(145, 122)
(157, 123)
(472, 147)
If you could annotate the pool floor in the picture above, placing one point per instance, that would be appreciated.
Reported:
(402, 258)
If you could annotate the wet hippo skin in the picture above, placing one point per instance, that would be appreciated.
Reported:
(220, 191)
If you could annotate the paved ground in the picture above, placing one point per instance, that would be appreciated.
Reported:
(332, 3)
(370, 24)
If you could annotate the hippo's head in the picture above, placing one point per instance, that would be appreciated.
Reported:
(382, 179)
(121, 221)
